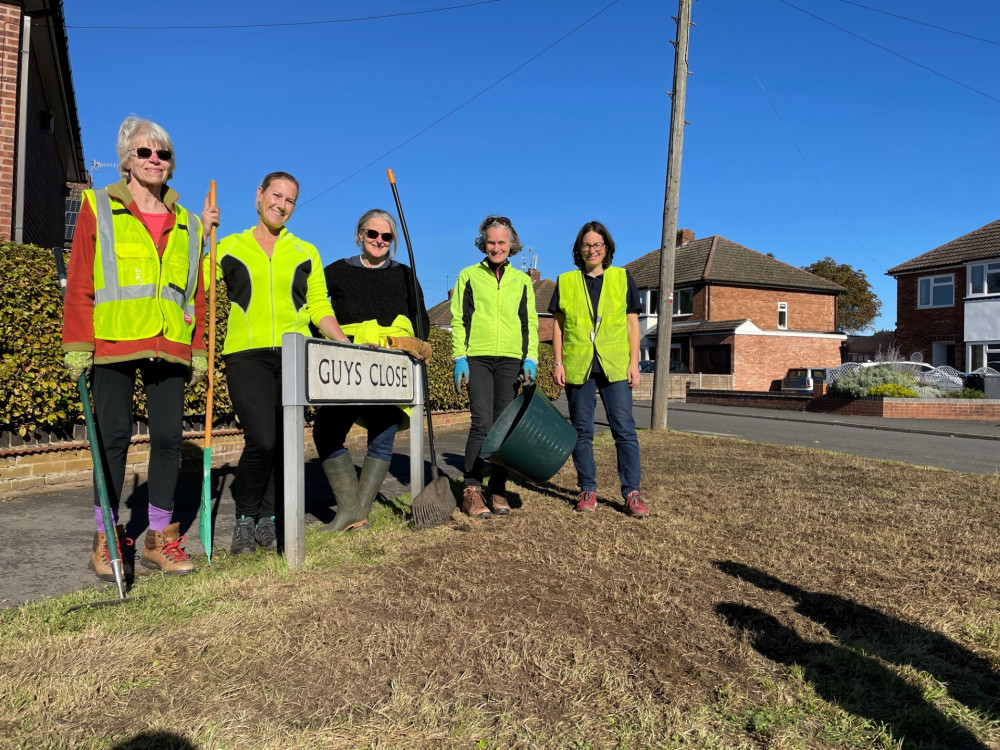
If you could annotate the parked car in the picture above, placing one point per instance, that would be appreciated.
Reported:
(803, 379)
(649, 365)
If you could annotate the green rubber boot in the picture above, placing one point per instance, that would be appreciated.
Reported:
(373, 472)
(343, 481)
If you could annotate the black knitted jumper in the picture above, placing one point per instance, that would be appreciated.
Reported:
(359, 294)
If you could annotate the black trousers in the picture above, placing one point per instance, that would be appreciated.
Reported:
(254, 379)
(492, 386)
(113, 386)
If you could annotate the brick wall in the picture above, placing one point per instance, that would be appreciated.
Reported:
(917, 330)
(806, 311)
(10, 45)
(759, 361)
(55, 464)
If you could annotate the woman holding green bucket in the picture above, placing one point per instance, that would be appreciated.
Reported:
(596, 347)
(495, 346)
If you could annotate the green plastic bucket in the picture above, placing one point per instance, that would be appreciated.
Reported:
(530, 437)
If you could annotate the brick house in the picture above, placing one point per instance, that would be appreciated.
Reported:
(42, 170)
(440, 314)
(739, 312)
(948, 302)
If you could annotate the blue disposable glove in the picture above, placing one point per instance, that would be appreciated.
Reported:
(529, 371)
(461, 373)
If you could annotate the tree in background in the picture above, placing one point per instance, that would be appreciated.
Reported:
(858, 309)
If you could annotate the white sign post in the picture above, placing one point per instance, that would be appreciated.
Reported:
(315, 372)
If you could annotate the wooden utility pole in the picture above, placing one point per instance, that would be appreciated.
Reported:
(668, 241)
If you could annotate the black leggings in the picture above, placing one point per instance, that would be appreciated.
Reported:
(492, 385)
(113, 387)
(254, 379)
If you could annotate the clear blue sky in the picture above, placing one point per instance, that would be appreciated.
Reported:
(804, 140)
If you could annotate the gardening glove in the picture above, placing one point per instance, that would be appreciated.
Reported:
(199, 369)
(529, 371)
(78, 363)
(461, 373)
(412, 346)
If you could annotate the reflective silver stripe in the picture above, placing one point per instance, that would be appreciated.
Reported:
(106, 239)
(117, 294)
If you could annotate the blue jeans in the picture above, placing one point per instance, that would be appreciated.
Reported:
(332, 423)
(617, 400)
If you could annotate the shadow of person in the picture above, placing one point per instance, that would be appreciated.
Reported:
(155, 741)
(858, 684)
(970, 679)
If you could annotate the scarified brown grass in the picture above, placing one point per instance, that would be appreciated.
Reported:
(776, 597)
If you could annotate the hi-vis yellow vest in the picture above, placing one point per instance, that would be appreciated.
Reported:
(584, 331)
(138, 294)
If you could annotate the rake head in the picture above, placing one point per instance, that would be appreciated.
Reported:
(434, 505)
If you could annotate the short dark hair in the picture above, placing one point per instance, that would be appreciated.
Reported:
(496, 220)
(609, 244)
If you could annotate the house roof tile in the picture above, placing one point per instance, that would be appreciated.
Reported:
(718, 260)
(979, 244)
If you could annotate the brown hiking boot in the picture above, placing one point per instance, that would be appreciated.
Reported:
(499, 504)
(472, 502)
(100, 558)
(162, 551)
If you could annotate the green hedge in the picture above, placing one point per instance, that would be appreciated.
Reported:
(35, 393)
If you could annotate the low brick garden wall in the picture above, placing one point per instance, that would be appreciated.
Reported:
(50, 460)
(872, 406)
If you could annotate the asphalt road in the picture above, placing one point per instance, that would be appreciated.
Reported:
(963, 447)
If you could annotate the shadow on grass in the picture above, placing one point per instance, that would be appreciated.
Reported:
(970, 679)
(155, 741)
(856, 683)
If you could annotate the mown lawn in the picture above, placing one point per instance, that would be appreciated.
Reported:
(776, 598)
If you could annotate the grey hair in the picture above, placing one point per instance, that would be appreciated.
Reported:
(134, 128)
(496, 220)
(377, 213)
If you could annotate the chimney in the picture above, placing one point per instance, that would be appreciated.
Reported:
(450, 292)
(684, 236)
(534, 274)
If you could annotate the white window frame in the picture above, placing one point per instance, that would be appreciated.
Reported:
(688, 292)
(989, 268)
(932, 283)
(782, 316)
(987, 349)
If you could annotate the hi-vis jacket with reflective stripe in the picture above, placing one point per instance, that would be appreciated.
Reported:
(138, 293)
(270, 296)
(603, 331)
(131, 295)
(494, 318)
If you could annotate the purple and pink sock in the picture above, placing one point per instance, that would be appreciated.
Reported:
(159, 519)
(99, 517)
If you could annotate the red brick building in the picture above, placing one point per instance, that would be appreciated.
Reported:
(739, 312)
(948, 302)
(41, 151)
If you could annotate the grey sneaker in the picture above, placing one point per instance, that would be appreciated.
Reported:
(267, 535)
(243, 541)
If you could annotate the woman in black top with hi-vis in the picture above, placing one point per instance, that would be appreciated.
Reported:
(373, 298)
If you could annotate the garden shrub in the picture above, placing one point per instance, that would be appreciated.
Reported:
(860, 382)
(891, 390)
(966, 393)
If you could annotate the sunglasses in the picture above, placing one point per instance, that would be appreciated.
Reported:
(499, 220)
(163, 154)
(372, 235)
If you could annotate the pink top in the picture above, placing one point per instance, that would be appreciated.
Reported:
(155, 222)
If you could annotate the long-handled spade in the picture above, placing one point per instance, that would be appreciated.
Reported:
(434, 505)
(114, 551)
(205, 512)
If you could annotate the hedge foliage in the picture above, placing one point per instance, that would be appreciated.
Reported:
(891, 390)
(860, 382)
(36, 394)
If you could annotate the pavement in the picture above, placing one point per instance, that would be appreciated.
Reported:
(46, 536)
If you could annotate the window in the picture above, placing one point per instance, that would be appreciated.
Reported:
(782, 315)
(984, 278)
(936, 291)
(651, 301)
(683, 302)
(984, 354)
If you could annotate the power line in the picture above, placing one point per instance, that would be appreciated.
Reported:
(922, 23)
(291, 23)
(892, 52)
(460, 106)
